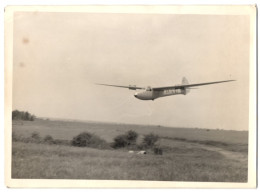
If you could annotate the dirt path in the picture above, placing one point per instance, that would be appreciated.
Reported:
(236, 156)
(240, 157)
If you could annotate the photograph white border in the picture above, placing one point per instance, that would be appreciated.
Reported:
(188, 9)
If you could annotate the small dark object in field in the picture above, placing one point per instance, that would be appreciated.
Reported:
(158, 151)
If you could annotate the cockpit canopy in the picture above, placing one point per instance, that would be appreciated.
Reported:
(148, 88)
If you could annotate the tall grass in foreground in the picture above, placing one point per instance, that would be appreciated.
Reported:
(40, 161)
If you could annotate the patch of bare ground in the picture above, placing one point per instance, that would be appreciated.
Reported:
(232, 155)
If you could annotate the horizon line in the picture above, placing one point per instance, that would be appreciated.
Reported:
(112, 122)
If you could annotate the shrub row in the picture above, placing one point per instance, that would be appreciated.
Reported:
(86, 139)
(35, 138)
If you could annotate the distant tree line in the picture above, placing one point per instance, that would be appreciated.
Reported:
(21, 115)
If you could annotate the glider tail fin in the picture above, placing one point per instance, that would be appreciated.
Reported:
(185, 82)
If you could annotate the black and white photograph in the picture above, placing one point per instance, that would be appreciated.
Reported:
(139, 96)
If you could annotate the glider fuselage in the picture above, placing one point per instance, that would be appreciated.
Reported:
(151, 94)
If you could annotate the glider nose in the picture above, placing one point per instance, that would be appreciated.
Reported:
(135, 95)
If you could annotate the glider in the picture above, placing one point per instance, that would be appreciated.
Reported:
(150, 93)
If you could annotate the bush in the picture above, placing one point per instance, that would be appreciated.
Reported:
(120, 141)
(150, 140)
(128, 139)
(35, 135)
(86, 139)
(131, 136)
(35, 138)
(48, 139)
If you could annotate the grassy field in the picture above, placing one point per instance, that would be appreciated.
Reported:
(188, 154)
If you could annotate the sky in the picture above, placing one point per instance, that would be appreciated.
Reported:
(58, 58)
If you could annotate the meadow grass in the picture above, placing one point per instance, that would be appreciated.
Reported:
(188, 154)
(41, 161)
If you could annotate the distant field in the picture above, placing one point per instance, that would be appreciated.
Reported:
(188, 154)
(67, 130)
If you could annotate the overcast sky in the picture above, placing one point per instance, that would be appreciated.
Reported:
(58, 58)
